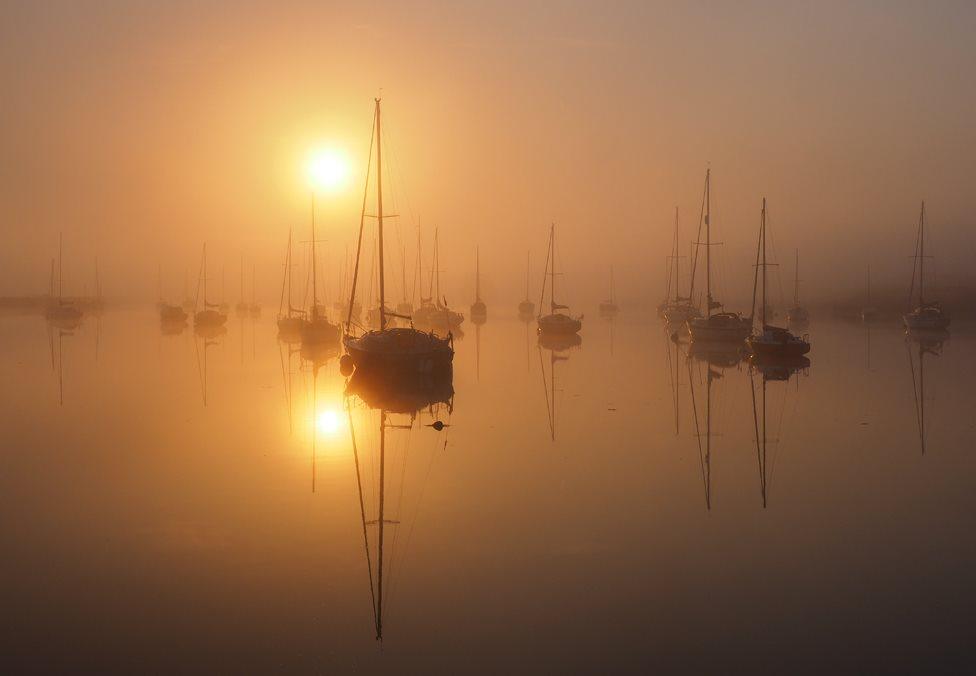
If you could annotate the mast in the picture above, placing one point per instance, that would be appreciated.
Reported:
(674, 263)
(205, 289)
(762, 311)
(552, 268)
(60, 237)
(921, 256)
(315, 285)
(379, 220)
(708, 243)
(477, 274)
(796, 278)
(288, 273)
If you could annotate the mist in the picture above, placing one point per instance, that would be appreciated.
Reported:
(141, 130)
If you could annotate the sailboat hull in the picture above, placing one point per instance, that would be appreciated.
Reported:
(926, 318)
(559, 324)
(400, 349)
(725, 327)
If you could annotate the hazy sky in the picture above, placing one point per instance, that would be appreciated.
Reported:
(141, 129)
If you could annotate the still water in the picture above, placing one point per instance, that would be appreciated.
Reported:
(185, 504)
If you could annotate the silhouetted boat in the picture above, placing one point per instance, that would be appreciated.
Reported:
(62, 313)
(869, 313)
(677, 310)
(608, 308)
(434, 311)
(797, 314)
(927, 315)
(210, 315)
(289, 317)
(391, 348)
(526, 308)
(719, 326)
(479, 311)
(241, 308)
(555, 322)
(315, 326)
(772, 341)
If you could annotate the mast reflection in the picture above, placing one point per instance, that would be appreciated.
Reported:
(928, 342)
(400, 401)
(558, 346)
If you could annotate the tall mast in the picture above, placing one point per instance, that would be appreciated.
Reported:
(796, 279)
(288, 265)
(762, 235)
(60, 238)
(921, 255)
(379, 219)
(315, 284)
(674, 263)
(708, 243)
(552, 268)
(437, 265)
(204, 282)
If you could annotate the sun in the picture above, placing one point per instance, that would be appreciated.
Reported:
(327, 422)
(327, 169)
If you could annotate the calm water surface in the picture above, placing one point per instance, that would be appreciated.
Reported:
(175, 503)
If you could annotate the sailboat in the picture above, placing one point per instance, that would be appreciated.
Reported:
(189, 302)
(608, 308)
(555, 323)
(389, 348)
(289, 317)
(210, 315)
(679, 309)
(927, 315)
(719, 326)
(315, 326)
(241, 307)
(773, 341)
(405, 307)
(526, 308)
(434, 311)
(797, 314)
(60, 312)
(254, 308)
(869, 313)
(170, 316)
(479, 311)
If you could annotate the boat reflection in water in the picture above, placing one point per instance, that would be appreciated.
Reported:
(399, 404)
(776, 370)
(924, 342)
(558, 344)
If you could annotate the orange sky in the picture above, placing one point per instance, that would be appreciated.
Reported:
(142, 128)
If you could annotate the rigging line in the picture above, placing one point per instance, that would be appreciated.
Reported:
(759, 455)
(416, 514)
(915, 393)
(545, 390)
(701, 456)
(694, 264)
(545, 276)
(362, 512)
(362, 218)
